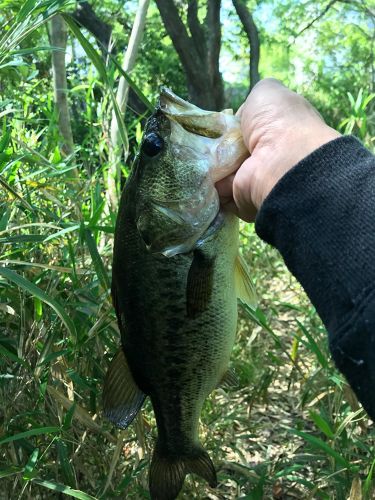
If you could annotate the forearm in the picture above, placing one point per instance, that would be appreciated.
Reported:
(321, 217)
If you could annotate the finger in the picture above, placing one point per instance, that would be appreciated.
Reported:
(225, 190)
(242, 191)
(225, 187)
(240, 109)
(268, 82)
(230, 206)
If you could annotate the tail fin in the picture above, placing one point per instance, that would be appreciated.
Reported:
(167, 472)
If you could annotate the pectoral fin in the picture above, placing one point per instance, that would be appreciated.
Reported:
(199, 283)
(244, 286)
(122, 399)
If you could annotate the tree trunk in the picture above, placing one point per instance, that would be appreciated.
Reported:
(58, 33)
(116, 148)
(198, 51)
(87, 17)
(102, 31)
(251, 31)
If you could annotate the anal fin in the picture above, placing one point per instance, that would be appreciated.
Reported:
(229, 379)
(122, 399)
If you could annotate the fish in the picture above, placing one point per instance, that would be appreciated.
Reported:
(176, 277)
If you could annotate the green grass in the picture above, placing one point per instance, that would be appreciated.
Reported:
(292, 423)
(291, 429)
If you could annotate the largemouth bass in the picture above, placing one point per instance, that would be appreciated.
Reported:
(175, 282)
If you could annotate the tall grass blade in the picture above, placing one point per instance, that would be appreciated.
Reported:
(97, 260)
(10, 471)
(63, 488)
(66, 466)
(318, 443)
(96, 59)
(9, 188)
(313, 346)
(132, 84)
(322, 424)
(32, 432)
(29, 287)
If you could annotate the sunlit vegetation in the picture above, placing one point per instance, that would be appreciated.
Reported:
(292, 428)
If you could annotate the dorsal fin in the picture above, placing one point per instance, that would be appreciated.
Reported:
(244, 286)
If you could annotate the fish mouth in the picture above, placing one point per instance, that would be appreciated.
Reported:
(190, 117)
(167, 97)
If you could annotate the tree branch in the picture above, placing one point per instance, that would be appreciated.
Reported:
(86, 16)
(319, 16)
(199, 54)
(214, 29)
(183, 44)
(213, 35)
(251, 30)
(196, 30)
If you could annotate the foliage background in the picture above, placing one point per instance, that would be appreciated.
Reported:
(293, 428)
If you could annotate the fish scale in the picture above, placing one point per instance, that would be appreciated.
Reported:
(177, 313)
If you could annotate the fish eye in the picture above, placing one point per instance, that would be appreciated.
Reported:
(152, 144)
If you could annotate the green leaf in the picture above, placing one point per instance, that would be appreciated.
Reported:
(32, 50)
(96, 215)
(23, 238)
(132, 84)
(52, 356)
(66, 466)
(313, 346)
(4, 219)
(38, 309)
(97, 260)
(318, 443)
(358, 101)
(347, 420)
(368, 481)
(368, 99)
(62, 232)
(10, 471)
(29, 287)
(69, 417)
(30, 466)
(26, 9)
(32, 432)
(9, 188)
(99, 64)
(322, 424)
(4, 141)
(62, 488)
(8, 354)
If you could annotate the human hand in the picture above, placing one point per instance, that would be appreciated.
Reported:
(279, 128)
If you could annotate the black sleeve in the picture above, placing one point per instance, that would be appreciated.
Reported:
(321, 217)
